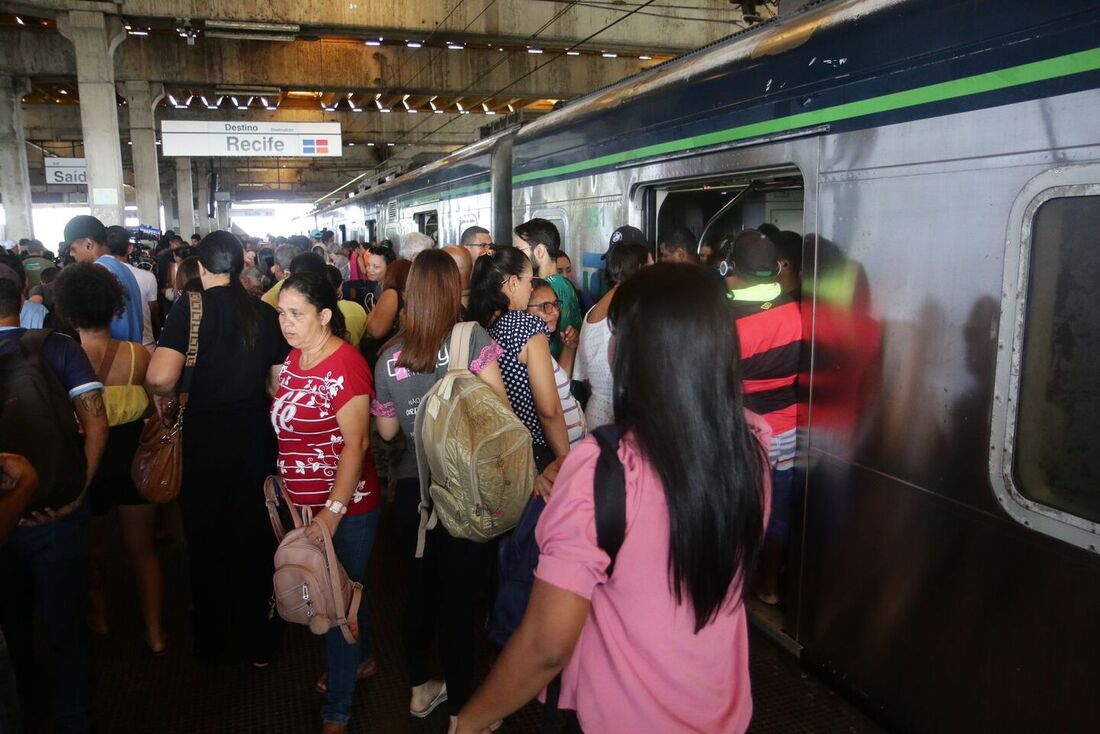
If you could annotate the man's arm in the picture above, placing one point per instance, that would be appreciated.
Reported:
(92, 414)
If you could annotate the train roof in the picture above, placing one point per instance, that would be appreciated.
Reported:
(832, 66)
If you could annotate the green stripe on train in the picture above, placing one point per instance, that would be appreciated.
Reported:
(1036, 71)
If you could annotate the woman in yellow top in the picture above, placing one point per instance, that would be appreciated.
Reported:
(88, 297)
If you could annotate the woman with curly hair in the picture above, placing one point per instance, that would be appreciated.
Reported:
(89, 298)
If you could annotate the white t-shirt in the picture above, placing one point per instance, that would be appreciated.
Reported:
(592, 365)
(147, 284)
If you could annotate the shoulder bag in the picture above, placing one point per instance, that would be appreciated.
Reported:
(157, 469)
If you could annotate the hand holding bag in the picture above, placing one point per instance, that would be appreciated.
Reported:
(157, 469)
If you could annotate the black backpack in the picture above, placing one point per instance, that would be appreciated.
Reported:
(38, 422)
(518, 554)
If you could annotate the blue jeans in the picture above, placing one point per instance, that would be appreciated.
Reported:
(44, 569)
(353, 542)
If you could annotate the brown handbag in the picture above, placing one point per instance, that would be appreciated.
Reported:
(157, 469)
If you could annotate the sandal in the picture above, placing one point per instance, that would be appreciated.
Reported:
(366, 669)
(440, 697)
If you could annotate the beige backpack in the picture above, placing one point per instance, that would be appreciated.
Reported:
(473, 454)
(310, 585)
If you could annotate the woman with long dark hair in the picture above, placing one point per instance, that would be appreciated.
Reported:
(449, 574)
(500, 291)
(695, 466)
(228, 449)
(321, 417)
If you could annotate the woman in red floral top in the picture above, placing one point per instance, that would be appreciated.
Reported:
(321, 416)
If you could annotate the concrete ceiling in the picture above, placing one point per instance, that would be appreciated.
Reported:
(407, 79)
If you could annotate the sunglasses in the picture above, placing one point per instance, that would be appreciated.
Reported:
(547, 307)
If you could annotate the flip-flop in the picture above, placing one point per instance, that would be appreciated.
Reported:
(440, 697)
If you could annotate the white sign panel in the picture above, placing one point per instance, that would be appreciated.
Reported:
(252, 139)
(66, 171)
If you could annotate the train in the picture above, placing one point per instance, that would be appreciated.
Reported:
(942, 160)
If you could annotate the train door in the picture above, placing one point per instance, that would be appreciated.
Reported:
(710, 212)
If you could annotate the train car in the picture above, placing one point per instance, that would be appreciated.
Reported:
(942, 159)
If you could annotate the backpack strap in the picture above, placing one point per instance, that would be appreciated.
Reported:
(609, 493)
(108, 361)
(459, 348)
(428, 517)
(273, 493)
(33, 340)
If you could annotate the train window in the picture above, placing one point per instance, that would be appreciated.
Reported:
(1057, 457)
(716, 208)
(428, 223)
(1045, 447)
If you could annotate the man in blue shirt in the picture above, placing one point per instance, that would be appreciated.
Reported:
(87, 240)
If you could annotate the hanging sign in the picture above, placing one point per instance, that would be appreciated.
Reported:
(66, 171)
(251, 139)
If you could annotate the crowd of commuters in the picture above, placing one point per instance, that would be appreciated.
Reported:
(313, 359)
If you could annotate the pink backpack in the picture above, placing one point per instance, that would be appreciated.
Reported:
(310, 585)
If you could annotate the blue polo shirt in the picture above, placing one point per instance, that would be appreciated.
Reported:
(128, 326)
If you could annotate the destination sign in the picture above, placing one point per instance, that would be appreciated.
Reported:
(71, 171)
(251, 139)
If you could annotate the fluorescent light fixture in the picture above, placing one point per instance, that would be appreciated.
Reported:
(370, 145)
(385, 109)
(378, 96)
(235, 102)
(171, 99)
(438, 112)
(572, 53)
(356, 109)
(248, 25)
(511, 108)
(263, 101)
(19, 20)
(238, 36)
(412, 110)
(374, 41)
(534, 50)
(390, 145)
(455, 46)
(460, 107)
(138, 33)
(351, 144)
(644, 58)
(609, 55)
(413, 44)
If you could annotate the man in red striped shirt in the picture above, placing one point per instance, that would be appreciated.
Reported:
(769, 330)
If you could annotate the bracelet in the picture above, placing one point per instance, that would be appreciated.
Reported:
(336, 506)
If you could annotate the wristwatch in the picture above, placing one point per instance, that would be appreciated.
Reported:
(336, 506)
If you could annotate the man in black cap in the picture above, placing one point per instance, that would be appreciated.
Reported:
(769, 329)
(87, 240)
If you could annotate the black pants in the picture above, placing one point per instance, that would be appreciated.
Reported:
(445, 586)
(230, 544)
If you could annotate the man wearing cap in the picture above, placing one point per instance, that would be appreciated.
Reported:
(120, 247)
(87, 240)
(540, 241)
(769, 329)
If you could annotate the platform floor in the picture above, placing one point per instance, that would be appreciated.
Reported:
(174, 695)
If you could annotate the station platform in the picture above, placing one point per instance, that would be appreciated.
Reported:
(173, 694)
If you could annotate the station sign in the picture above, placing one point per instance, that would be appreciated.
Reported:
(226, 139)
(70, 171)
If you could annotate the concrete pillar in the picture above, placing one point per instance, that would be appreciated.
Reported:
(15, 185)
(223, 215)
(95, 37)
(205, 223)
(185, 198)
(141, 100)
(171, 220)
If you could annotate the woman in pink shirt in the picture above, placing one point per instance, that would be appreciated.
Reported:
(661, 645)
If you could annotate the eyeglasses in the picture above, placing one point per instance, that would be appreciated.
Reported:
(547, 307)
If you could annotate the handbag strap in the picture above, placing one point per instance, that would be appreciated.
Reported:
(195, 310)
